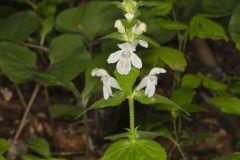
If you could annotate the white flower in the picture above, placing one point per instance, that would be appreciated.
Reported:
(120, 26)
(125, 58)
(141, 43)
(139, 28)
(150, 81)
(129, 16)
(107, 80)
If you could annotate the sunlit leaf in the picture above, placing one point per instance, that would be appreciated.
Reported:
(234, 26)
(172, 57)
(4, 146)
(156, 99)
(40, 146)
(183, 96)
(126, 82)
(227, 104)
(203, 27)
(191, 81)
(114, 101)
(212, 84)
(140, 149)
(234, 156)
(171, 25)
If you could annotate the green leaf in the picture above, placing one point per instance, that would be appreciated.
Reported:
(17, 62)
(234, 156)
(183, 96)
(68, 60)
(40, 146)
(60, 110)
(116, 100)
(171, 25)
(1, 158)
(156, 8)
(191, 81)
(234, 26)
(127, 82)
(203, 27)
(156, 99)
(212, 84)
(91, 19)
(235, 87)
(143, 149)
(18, 27)
(118, 136)
(173, 58)
(218, 7)
(4, 146)
(227, 104)
(141, 135)
(155, 31)
(47, 26)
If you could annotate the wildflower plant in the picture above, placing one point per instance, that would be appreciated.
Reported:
(131, 145)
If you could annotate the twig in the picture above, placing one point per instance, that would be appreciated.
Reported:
(42, 48)
(26, 113)
(20, 95)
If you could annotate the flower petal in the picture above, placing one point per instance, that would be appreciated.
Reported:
(107, 92)
(136, 61)
(143, 43)
(99, 72)
(124, 66)
(114, 83)
(143, 83)
(157, 70)
(151, 90)
(127, 47)
(114, 57)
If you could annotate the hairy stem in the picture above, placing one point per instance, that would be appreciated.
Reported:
(132, 118)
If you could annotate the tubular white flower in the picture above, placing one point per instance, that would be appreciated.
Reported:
(139, 28)
(125, 58)
(141, 43)
(120, 26)
(108, 82)
(129, 16)
(150, 81)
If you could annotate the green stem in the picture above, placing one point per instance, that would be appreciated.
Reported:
(132, 118)
(175, 129)
(181, 151)
(176, 141)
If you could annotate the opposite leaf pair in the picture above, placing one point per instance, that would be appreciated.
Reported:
(149, 82)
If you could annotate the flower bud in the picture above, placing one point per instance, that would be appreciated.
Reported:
(120, 26)
(129, 16)
(140, 28)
